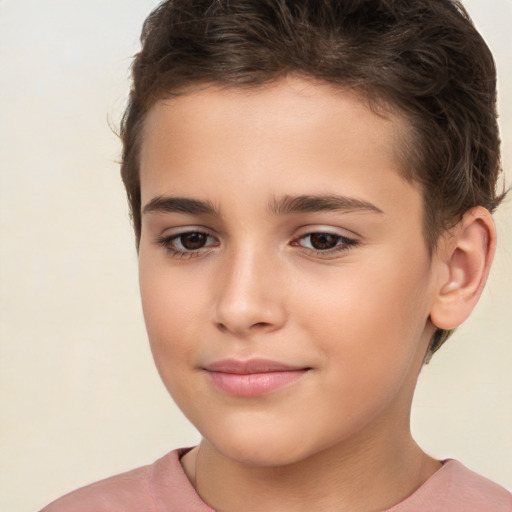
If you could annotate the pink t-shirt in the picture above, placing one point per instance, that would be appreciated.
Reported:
(164, 487)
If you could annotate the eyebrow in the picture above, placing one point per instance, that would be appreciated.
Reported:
(169, 204)
(317, 203)
(282, 206)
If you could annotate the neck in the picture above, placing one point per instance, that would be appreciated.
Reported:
(368, 476)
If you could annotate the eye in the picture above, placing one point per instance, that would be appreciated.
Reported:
(191, 241)
(187, 244)
(323, 242)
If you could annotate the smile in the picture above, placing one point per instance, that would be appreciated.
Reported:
(252, 378)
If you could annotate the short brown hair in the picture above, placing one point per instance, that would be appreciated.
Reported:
(424, 58)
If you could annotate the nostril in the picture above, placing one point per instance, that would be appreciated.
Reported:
(260, 325)
(221, 327)
(252, 327)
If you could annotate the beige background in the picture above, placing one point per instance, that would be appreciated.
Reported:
(79, 397)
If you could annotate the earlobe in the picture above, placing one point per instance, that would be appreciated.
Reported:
(466, 255)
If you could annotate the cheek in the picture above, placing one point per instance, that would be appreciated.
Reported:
(371, 321)
(170, 309)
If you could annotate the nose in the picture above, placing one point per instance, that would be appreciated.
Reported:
(249, 297)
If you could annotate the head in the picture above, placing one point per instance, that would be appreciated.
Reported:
(311, 187)
(421, 59)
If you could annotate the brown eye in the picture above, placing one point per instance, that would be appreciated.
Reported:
(324, 241)
(326, 244)
(193, 241)
(187, 244)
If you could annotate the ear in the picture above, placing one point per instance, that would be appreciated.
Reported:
(464, 259)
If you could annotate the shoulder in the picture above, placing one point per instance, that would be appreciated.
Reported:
(474, 491)
(128, 491)
(146, 488)
(455, 488)
(478, 491)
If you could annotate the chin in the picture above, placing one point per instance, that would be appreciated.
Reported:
(260, 448)
(258, 455)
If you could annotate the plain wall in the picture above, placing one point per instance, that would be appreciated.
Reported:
(79, 396)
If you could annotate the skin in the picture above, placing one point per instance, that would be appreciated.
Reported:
(357, 315)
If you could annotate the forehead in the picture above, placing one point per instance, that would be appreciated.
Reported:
(282, 101)
(297, 133)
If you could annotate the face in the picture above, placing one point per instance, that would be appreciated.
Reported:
(285, 280)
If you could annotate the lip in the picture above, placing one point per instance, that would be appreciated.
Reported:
(252, 378)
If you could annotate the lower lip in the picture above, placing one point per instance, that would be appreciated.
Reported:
(254, 384)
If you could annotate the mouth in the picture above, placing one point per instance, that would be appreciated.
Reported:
(252, 378)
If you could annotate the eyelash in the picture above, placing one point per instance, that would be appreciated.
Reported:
(343, 244)
(166, 243)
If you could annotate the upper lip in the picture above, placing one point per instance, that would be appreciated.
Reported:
(251, 366)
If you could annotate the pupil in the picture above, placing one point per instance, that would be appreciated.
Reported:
(193, 241)
(324, 240)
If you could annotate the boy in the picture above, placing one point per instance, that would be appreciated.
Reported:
(311, 185)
